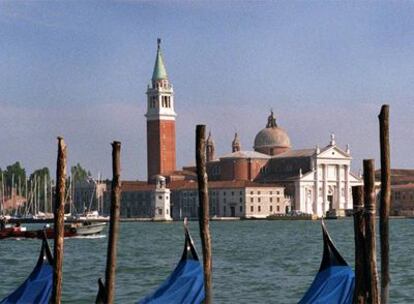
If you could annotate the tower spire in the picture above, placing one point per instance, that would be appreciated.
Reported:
(235, 145)
(160, 72)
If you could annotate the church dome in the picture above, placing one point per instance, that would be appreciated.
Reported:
(272, 140)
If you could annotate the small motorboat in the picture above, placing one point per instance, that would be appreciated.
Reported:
(70, 230)
(37, 288)
(335, 280)
(78, 229)
(86, 228)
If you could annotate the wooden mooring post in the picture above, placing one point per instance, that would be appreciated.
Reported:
(360, 255)
(59, 213)
(113, 224)
(385, 201)
(204, 212)
(370, 243)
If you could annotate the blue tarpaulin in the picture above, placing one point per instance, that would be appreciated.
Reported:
(185, 284)
(38, 286)
(334, 282)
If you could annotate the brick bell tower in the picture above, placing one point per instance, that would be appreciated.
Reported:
(160, 121)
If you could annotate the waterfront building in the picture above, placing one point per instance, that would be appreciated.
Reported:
(317, 180)
(243, 199)
(87, 195)
(271, 179)
(402, 199)
(160, 200)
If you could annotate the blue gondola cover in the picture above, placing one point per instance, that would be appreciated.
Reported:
(38, 286)
(334, 282)
(185, 284)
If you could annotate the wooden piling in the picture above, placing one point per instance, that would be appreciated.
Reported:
(59, 213)
(113, 224)
(385, 201)
(370, 243)
(359, 232)
(204, 213)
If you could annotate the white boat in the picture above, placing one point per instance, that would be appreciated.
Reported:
(87, 228)
(90, 215)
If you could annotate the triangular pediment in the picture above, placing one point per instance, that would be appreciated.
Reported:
(333, 152)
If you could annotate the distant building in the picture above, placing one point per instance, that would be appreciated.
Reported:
(402, 199)
(88, 195)
(272, 179)
(317, 180)
(231, 199)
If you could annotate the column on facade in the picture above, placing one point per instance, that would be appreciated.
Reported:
(316, 187)
(348, 198)
(325, 202)
(339, 204)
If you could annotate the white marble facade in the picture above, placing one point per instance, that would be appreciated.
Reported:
(328, 185)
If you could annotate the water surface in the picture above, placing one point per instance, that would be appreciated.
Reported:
(253, 261)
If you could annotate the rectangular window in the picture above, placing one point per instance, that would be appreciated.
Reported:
(259, 208)
(224, 209)
(271, 199)
(258, 192)
(251, 199)
(232, 193)
(251, 208)
(241, 200)
(258, 200)
(270, 208)
(277, 208)
(241, 208)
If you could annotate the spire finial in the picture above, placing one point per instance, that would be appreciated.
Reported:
(158, 43)
(271, 120)
(332, 143)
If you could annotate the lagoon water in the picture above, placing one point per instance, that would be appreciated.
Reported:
(253, 261)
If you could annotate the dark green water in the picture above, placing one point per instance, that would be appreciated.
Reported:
(253, 261)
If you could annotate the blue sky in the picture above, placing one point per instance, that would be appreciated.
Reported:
(80, 69)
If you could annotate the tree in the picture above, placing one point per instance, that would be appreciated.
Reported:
(79, 174)
(14, 178)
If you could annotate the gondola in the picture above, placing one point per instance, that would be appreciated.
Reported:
(37, 288)
(184, 285)
(334, 282)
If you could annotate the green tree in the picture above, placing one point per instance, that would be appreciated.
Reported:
(15, 177)
(79, 174)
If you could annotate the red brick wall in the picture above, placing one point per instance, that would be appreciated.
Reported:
(160, 147)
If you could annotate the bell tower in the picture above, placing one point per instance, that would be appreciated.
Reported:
(160, 121)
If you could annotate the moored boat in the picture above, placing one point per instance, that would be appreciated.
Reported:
(37, 288)
(185, 285)
(334, 282)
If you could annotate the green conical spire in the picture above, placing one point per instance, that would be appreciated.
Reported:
(159, 69)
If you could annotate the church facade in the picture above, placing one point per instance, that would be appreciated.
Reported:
(317, 180)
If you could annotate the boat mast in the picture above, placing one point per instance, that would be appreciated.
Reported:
(2, 193)
(45, 192)
(12, 192)
(19, 194)
(25, 195)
